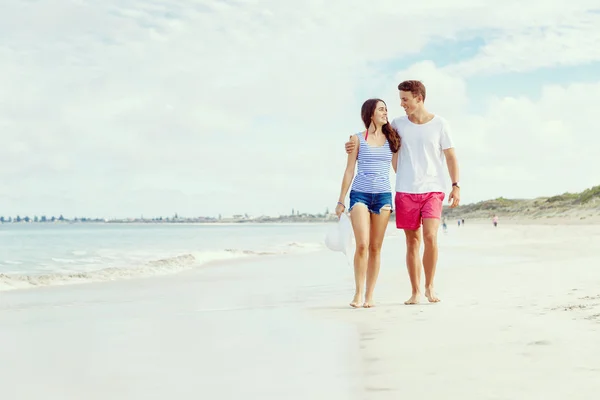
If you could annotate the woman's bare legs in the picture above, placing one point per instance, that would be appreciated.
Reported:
(360, 217)
(379, 223)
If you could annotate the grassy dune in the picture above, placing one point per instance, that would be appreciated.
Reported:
(574, 205)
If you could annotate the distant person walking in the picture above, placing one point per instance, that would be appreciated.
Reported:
(425, 157)
(371, 205)
(495, 221)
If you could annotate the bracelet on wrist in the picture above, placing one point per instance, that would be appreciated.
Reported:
(341, 204)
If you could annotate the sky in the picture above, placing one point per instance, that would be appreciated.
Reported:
(122, 108)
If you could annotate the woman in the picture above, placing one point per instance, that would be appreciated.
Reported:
(370, 195)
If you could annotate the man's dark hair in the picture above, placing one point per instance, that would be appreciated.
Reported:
(415, 87)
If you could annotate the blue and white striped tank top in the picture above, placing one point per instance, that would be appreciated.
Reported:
(373, 171)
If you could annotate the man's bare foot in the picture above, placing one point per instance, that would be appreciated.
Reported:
(414, 299)
(368, 303)
(356, 300)
(431, 296)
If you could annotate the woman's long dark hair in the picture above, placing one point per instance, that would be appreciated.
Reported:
(366, 113)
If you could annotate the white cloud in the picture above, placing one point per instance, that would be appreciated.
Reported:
(572, 39)
(125, 107)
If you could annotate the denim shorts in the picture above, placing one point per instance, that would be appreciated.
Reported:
(374, 201)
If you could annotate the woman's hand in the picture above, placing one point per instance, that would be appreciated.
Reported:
(339, 209)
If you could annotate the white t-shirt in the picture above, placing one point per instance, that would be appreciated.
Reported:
(421, 163)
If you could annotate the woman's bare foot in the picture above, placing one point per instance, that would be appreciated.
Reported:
(368, 303)
(414, 299)
(431, 296)
(356, 300)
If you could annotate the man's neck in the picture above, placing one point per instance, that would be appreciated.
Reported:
(421, 116)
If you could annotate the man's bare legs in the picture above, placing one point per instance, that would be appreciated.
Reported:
(413, 263)
(379, 223)
(430, 255)
(360, 217)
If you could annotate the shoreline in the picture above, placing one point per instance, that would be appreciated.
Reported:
(98, 276)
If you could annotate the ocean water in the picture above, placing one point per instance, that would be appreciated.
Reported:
(38, 255)
(34, 255)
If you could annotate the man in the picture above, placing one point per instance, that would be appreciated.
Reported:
(420, 183)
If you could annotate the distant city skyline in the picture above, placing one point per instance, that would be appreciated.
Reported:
(204, 107)
(175, 216)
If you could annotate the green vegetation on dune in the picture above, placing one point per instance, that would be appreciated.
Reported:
(562, 204)
(589, 194)
(563, 197)
(576, 198)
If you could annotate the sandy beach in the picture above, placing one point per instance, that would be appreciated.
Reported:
(519, 319)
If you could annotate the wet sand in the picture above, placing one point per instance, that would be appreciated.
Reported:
(519, 319)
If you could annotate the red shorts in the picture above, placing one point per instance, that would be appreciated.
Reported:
(411, 208)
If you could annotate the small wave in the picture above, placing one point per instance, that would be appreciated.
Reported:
(252, 252)
(161, 266)
(288, 248)
(174, 261)
(305, 246)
